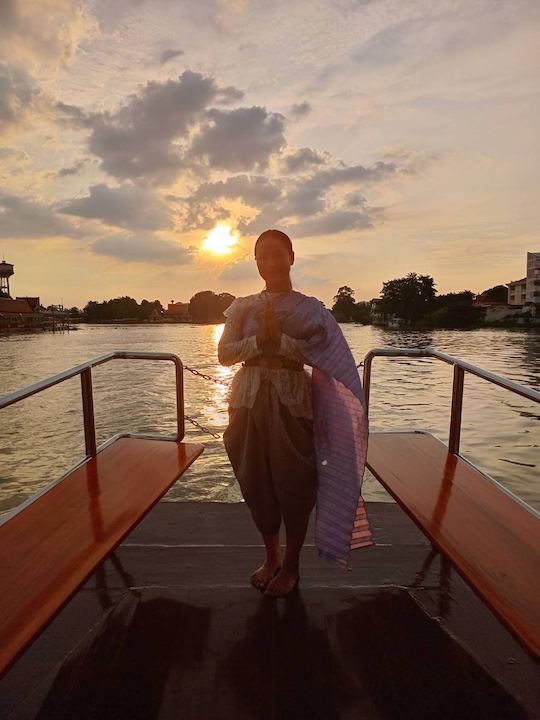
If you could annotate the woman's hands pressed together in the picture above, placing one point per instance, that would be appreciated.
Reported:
(269, 334)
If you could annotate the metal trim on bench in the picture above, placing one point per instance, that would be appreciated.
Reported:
(474, 467)
(85, 371)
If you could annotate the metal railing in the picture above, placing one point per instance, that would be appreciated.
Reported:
(85, 371)
(460, 368)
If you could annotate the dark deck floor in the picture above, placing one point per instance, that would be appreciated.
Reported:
(170, 628)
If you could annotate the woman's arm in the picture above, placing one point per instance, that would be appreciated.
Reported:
(232, 347)
(289, 348)
(314, 334)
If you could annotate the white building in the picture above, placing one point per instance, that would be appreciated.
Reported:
(532, 293)
(517, 291)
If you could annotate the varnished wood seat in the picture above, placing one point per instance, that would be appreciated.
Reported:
(490, 538)
(50, 547)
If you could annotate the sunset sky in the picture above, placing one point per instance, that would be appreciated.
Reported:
(385, 136)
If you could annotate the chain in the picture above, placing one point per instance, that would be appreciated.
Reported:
(194, 422)
(201, 427)
(194, 371)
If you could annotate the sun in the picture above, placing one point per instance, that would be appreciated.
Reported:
(221, 240)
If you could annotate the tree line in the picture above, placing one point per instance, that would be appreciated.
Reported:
(204, 307)
(121, 308)
(414, 300)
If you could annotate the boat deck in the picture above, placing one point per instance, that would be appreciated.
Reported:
(169, 627)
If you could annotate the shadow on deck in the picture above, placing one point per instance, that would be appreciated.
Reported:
(169, 627)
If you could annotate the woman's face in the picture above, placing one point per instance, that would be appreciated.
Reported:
(273, 260)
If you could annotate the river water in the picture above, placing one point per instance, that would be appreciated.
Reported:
(42, 437)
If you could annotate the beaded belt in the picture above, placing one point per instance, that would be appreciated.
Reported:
(274, 362)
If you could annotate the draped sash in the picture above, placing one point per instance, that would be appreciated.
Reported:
(339, 417)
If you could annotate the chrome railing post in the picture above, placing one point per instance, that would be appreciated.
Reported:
(366, 380)
(88, 412)
(180, 424)
(455, 413)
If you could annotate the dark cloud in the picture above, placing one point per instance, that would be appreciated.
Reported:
(147, 136)
(303, 159)
(311, 197)
(126, 206)
(355, 199)
(8, 16)
(18, 95)
(331, 223)
(203, 216)
(143, 248)
(167, 55)
(241, 139)
(254, 190)
(302, 109)
(74, 169)
(27, 218)
(203, 208)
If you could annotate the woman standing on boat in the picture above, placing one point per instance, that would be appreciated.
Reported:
(294, 439)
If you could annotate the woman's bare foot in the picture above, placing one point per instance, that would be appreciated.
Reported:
(285, 581)
(263, 575)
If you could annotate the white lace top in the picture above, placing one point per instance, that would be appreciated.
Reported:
(293, 387)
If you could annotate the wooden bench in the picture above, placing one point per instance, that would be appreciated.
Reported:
(491, 538)
(50, 548)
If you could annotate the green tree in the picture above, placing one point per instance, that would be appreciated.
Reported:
(409, 298)
(148, 307)
(207, 307)
(361, 313)
(498, 293)
(225, 299)
(454, 310)
(115, 309)
(344, 303)
(91, 311)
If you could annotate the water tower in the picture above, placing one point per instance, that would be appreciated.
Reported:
(6, 271)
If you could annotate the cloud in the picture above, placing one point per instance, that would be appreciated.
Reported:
(27, 218)
(204, 217)
(143, 248)
(241, 139)
(332, 223)
(147, 136)
(167, 55)
(200, 15)
(126, 206)
(203, 208)
(319, 197)
(308, 196)
(254, 190)
(303, 159)
(18, 96)
(354, 199)
(10, 154)
(387, 47)
(74, 169)
(310, 269)
(244, 269)
(302, 109)
(38, 34)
